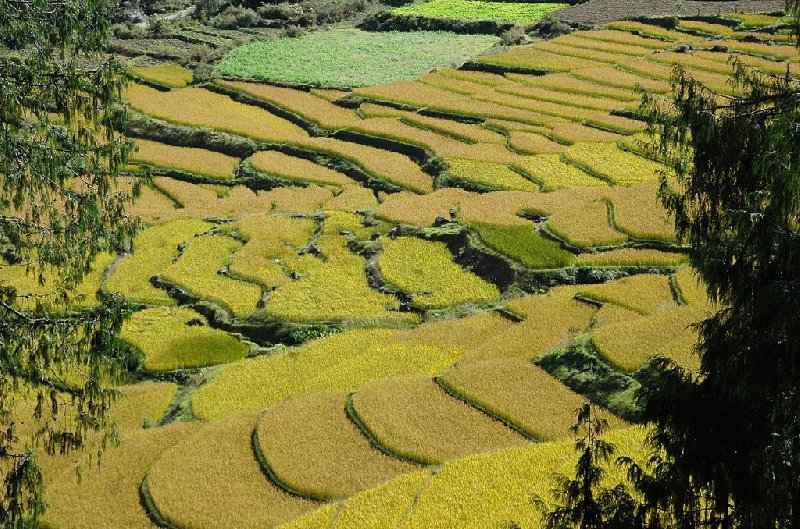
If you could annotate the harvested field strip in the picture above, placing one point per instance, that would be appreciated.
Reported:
(644, 294)
(639, 213)
(197, 273)
(633, 257)
(154, 249)
(609, 162)
(422, 210)
(551, 320)
(535, 59)
(488, 175)
(524, 244)
(199, 107)
(304, 104)
(297, 169)
(479, 10)
(494, 490)
(195, 161)
(460, 131)
(383, 506)
(630, 344)
(422, 96)
(392, 167)
(269, 238)
(339, 289)
(179, 338)
(518, 392)
(108, 495)
(568, 83)
(426, 271)
(438, 144)
(312, 446)
(553, 174)
(212, 480)
(532, 143)
(414, 418)
(616, 78)
(166, 74)
(341, 362)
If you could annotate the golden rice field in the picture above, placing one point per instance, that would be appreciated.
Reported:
(363, 299)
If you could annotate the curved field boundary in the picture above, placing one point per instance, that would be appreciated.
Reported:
(151, 509)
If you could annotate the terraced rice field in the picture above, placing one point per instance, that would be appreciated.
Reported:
(365, 297)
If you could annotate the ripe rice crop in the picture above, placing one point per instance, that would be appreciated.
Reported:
(614, 77)
(314, 448)
(462, 131)
(480, 10)
(350, 57)
(714, 81)
(145, 401)
(524, 244)
(297, 199)
(518, 392)
(426, 271)
(269, 238)
(304, 104)
(655, 32)
(622, 37)
(166, 74)
(629, 344)
(632, 257)
(572, 133)
(437, 143)
(334, 290)
(754, 20)
(579, 42)
(382, 506)
(389, 166)
(342, 362)
(200, 201)
(534, 58)
(179, 338)
(569, 84)
(552, 173)
(108, 494)
(297, 169)
(550, 322)
(488, 175)
(322, 518)
(415, 419)
(196, 161)
(609, 162)
(501, 207)
(568, 51)
(493, 490)
(644, 294)
(511, 126)
(532, 143)
(408, 208)
(212, 480)
(197, 272)
(151, 206)
(199, 107)
(590, 228)
(692, 289)
(454, 84)
(352, 199)
(154, 249)
(764, 65)
(706, 28)
(639, 213)
(780, 52)
(487, 78)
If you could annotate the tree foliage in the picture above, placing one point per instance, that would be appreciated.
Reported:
(60, 151)
(727, 438)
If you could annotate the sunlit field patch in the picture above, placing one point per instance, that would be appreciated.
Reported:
(644, 293)
(480, 10)
(632, 257)
(416, 419)
(195, 161)
(314, 448)
(421, 210)
(488, 175)
(609, 162)
(524, 244)
(179, 338)
(297, 169)
(553, 173)
(426, 271)
(166, 74)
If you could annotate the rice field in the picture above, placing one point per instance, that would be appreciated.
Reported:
(313, 448)
(195, 161)
(488, 176)
(415, 419)
(524, 244)
(480, 10)
(166, 74)
(426, 271)
(644, 294)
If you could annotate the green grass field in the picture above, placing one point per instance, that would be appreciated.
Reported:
(349, 57)
(520, 13)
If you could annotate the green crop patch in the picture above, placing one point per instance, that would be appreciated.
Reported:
(197, 272)
(179, 338)
(426, 271)
(520, 13)
(524, 244)
(350, 57)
